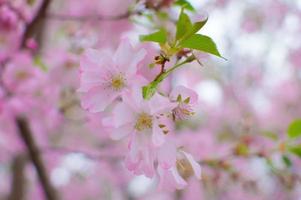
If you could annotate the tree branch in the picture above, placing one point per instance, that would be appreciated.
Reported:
(33, 28)
(34, 155)
(63, 17)
(18, 179)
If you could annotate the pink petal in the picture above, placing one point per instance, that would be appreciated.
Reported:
(195, 165)
(97, 99)
(160, 104)
(126, 58)
(122, 131)
(185, 93)
(103, 58)
(123, 114)
(180, 182)
(158, 137)
(167, 155)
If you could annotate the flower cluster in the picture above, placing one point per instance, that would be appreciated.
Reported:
(110, 83)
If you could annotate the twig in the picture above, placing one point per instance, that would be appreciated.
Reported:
(18, 179)
(33, 152)
(32, 29)
(63, 17)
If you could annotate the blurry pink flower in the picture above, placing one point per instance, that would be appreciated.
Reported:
(32, 44)
(186, 99)
(105, 77)
(175, 177)
(20, 74)
(295, 57)
(8, 19)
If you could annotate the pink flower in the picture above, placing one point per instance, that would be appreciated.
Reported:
(176, 176)
(8, 19)
(21, 75)
(147, 125)
(104, 76)
(139, 116)
(186, 99)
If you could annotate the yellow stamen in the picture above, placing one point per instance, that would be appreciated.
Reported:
(118, 82)
(144, 121)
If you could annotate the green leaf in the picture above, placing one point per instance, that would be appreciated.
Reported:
(270, 135)
(286, 160)
(194, 29)
(183, 25)
(201, 43)
(159, 37)
(294, 129)
(198, 25)
(39, 63)
(185, 4)
(295, 150)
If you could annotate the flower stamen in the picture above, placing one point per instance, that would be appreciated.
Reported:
(144, 121)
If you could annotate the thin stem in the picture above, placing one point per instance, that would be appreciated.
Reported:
(162, 76)
(63, 17)
(149, 90)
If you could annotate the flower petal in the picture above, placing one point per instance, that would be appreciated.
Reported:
(97, 99)
(122, 114)
(122, 131)
(180, 182)
(195, 165)
(158, 137)
(167, 155)
(185, 93)
(126, 58)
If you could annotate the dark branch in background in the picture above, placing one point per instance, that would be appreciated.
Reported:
(18, 180)
(34, 28)
(63, 17)
(35, 157)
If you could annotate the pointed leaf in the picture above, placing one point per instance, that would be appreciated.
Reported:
(185, 4)
(294, 129)
(183, 25)
(159, 37)
(201, 43)
(295, 150)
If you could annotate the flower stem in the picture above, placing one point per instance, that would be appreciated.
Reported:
(149, 90)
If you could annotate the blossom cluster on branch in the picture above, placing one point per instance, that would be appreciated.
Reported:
(150, 99)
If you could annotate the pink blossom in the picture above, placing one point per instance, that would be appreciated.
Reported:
(146, 124)
(186, 99)
(105, 77)
(175, 177)
(8, 18)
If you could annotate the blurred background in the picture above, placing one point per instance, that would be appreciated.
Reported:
(239, 133)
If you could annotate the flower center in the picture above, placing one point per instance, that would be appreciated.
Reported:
(143, 122)
(184, 168)
(118, 82)
(183, 111)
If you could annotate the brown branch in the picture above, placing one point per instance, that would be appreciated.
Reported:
(34, 30)
(33, 152)
(18, 179)
(63, 17)
(34, 27)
